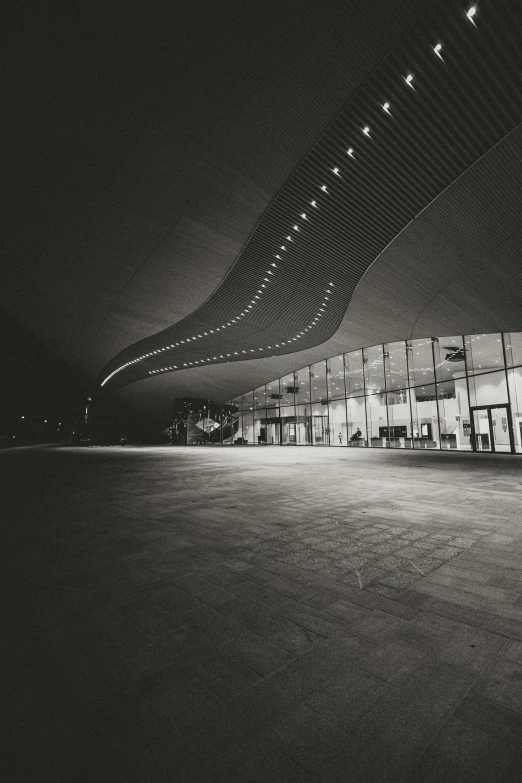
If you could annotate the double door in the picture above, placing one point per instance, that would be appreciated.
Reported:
(491, 429)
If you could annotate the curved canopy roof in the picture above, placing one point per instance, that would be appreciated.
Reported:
(155, 247)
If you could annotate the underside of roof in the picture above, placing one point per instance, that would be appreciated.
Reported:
(322, 183)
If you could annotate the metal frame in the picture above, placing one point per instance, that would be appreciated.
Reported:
(489, 408)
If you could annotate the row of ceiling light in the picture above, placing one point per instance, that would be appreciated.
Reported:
(409, 78)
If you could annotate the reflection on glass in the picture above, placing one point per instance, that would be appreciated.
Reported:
(302, 386)
(356, 421)
(449, 358)
(247, 402)
(354, 373)
(515, 393)
(335, 377)
(424, 417)
(513, 342)
(320, 424)
(373, 369)
(377, 414)
(259, 397)
(420, 361)
(303, 425)
(338, 429)
(287, 389)
(395, 365)
(399, 419)
(318, 382)
(484, 352)
(448, 415)
(272, 394)
(489, 389)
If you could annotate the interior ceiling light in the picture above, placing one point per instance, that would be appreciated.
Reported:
(366, 131)
(296, 228)
(323, 187)
(437, 50)
(386, 107)
(314, 204)
(290, 238)
(283, 247)
(409, 79)
(350, 152)
(471, 13)
(303, 215)
(336, 171)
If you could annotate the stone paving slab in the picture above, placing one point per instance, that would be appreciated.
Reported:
(262, 614)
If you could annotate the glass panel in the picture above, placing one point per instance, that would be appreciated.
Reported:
(302, 386)
(287, 389)
(513, 348)
(449, 358)
(399, 419)
(395, 365)
(272, 394)
(288, 429)
(483, 352)
(338, 431)
(488, 389)
(449, 417)
(259, 397)
(500, 429)
(420, 361)
(318, 381)
(481, 427)
(425, 419)
(353, 373)
(356, 421)
(515, 391)
(320, 424)
(377, 420)
(335, 377)
(260, 426)
(248, 420)
(373, 369)
(303, 436)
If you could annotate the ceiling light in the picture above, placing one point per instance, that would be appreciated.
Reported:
(471, 13)
(366, 131)
(336, 171)
(296, 228)
(386, 107)
(437, 50)
(303, 215)
(290, 238)
(314, 204)
(323, 187)
(409, 79)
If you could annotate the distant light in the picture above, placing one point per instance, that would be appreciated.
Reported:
(409, 79)
(471, 13)
(386, 107)
(366, 131)
(23, 417)
(437, 50)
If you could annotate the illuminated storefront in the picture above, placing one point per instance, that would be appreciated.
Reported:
(457, 392)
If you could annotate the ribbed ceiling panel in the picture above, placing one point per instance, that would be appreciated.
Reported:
(424, 132)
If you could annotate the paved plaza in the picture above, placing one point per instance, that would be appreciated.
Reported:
(262, 614)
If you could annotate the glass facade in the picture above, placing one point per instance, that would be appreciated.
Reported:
(461, 392)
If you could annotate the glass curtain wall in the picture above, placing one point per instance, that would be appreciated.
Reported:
(461, 392)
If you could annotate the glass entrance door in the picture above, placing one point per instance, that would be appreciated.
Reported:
(492, 429)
